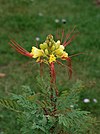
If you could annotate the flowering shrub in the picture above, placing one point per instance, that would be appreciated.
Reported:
(50, 111)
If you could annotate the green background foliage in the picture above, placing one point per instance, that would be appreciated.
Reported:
(20, 20)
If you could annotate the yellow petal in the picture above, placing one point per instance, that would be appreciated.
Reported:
(37, 52)
(52, 58)
(38, 59)
(61, 47)
(64, 55)
(58, 52)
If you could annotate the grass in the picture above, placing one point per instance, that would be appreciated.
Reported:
(20, 20)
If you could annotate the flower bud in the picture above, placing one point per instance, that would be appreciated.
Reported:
(50, 44)
(53, 48)
(46, 51)
(43, 46)
(59, 52)
(50, 37)
(57, 44)
(61, 47)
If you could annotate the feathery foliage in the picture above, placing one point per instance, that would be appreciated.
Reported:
(37, 114)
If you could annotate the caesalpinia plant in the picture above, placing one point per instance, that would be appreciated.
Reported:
(49, 52)
(48, 111)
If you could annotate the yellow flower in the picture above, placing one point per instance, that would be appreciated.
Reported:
(64, 55)
(37, 52)
(52, 58)
(59, 51)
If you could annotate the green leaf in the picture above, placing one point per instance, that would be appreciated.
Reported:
(10, 104)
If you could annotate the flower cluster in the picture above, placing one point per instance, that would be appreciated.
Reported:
(49, 51)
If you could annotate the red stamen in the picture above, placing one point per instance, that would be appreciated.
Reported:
(19, 49)
(17, 45)
(57, 35)
(65, 43)
(68, 35)
(76, 54)
(60, 63)
(69, 66)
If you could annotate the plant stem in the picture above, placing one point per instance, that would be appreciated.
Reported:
(53, 78)
(53, 96)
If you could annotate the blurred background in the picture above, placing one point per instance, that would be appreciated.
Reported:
(29, 22)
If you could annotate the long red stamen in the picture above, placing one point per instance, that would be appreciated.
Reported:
(19, 49)
(76, 54)
(68, 42)
(65, 43)
(69, 65)
(60, 36)
(17, 45)
(60, 63)
(68, 35)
